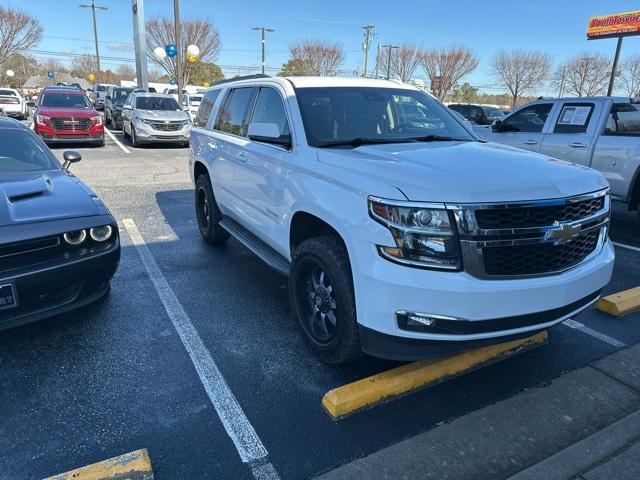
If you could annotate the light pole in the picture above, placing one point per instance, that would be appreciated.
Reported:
(367, 35)
(93, 7)
(389, 47)
(263, 30)
(176, 23)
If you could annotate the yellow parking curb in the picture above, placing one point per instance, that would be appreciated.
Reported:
(130, 466)
(347, 399)
(620, 304)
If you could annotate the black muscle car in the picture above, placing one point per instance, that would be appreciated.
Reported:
(59, 244)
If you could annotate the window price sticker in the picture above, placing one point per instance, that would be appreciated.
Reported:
(574, 115)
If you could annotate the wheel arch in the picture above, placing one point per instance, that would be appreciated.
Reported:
(305, 225)
(634, 197)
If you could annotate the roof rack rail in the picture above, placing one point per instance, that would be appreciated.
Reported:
(243, 77)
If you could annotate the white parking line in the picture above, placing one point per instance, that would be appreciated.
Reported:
(589, 331)
(628, 247)
(237, 425)
(113, 137)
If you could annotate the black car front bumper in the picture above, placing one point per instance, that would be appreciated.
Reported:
(59, 287)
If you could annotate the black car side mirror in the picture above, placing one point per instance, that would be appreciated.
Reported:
(71, 156)
(497, 126)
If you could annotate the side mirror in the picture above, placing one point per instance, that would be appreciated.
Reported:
(71, 156)
(268, 133)
(497, 126)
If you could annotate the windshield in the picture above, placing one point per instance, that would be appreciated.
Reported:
(65, 100)
(381, 115)
(8, 92)
(120, 94)
(157, 103)
(196, 99)
(21, 152)
(493, 113)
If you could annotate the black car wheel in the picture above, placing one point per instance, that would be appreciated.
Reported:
(323, 301)
(134, 139)
(125, 135)
(208, 213)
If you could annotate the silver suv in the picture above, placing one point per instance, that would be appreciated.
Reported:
(154, 118)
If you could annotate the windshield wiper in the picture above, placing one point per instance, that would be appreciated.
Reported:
(357, 142)
(436, 138)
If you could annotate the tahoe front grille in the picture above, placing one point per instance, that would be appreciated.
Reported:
(70, 123)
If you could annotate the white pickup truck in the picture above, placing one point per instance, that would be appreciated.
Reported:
(402, 235)
(600, 132)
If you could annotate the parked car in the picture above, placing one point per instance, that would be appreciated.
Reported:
(191, 103)
(59, 245)
(113, 102)
(98, 94)
(3, 113)
(598, 132)
(66, 115)
(154, 118)
(13, 103)
(478, 114)
(402, 235)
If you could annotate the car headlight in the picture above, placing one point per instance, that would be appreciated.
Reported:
(41, 119)
(101, 234)
(423, 233)
(97, 120)
(75, 238)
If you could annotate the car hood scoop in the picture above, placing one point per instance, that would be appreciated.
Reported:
(35, 197)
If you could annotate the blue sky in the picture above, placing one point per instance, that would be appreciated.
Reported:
(555, 26)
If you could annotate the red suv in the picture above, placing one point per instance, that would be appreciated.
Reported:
(65, 114)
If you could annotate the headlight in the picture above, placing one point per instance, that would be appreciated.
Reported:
(424, 234)
(97, 119)
(101, 234)
(75, 238)
(41, 119)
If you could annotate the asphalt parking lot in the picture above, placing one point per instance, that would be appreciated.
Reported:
(116, 377)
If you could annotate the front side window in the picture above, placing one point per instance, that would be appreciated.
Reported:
(157, 103)
(374, 115)
(624, 119)
(270, 109)
(65, 100)
(232, 115)
(202, 117)
(119, 95)
(21, 152)
(574, 118)
(493, 113)
(530, 119)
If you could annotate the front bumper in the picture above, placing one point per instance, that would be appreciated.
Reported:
(488, 311)
(145, 133)
(94, 134)
(58, 288)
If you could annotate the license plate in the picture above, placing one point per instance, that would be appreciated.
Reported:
(8, 296)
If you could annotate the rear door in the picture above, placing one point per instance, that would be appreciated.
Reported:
(574, 131)
(524, 128)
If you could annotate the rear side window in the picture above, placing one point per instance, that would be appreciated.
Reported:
(270, 109)
(204, 110)
(530, 119)
(624, 119)
(574, 118)
(7, 92)
(234, 112)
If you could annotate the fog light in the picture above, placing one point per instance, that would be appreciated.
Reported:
(101, 234)
(414, 320)
(75, 238)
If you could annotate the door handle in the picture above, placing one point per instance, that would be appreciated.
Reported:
(577, 145)
(243, 157)
(530, 142)
(212, 146)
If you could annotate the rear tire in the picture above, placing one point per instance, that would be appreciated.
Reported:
(208, 213)
(323, 300)
(134, 139)
(125, 135)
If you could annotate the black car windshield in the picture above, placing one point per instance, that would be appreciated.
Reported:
(65, 100)
(21, 152)
(493, 113)
(355, 116)
(157, 103)
(120, 95)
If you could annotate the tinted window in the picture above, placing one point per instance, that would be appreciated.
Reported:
(21, 152)
(270, 109)
(624, 119)
(574, 118)
(100, 88)
(530, 119)
(202, 117)
(235, 109)
(8, 92)
(157, 103)
(65, 100)
(493, 113)
(342, 114)
(119, 95)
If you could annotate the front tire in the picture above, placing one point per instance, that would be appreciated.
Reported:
(208, 213)
(134, 138)
(323, 300)
(125, 135)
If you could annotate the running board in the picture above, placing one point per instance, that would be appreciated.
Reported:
(267, 254)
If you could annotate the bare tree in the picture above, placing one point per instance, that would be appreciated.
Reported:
(315, 57)
(446, 66)
(630, 76)
(404, 61)
(202, 33)
(18, 32)
(51, 65)
(521, 71)
(83, 65)
(587, 74)
(126, 72)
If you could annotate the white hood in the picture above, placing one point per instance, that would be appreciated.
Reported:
(465, 172)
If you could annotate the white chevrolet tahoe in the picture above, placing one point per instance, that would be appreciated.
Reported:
(402, 234)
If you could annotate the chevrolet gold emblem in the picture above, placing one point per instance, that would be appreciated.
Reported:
(561, 233)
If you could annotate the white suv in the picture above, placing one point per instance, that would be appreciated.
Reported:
(401, 233)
